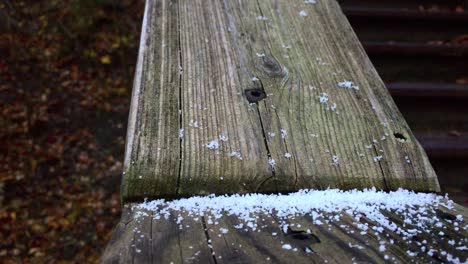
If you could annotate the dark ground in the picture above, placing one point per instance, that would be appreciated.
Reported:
(66, 70)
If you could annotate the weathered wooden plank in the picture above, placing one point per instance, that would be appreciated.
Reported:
(338, 237)
(326, 120)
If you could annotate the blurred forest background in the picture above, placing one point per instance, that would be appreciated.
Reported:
(66, 74)
(66, 70)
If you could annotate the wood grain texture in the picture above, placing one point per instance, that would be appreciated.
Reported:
(180, 238)
(197, 58)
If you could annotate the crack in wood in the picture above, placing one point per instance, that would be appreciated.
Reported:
(208, 240)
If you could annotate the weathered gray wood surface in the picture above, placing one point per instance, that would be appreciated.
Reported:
(199, 63)
(145, 239)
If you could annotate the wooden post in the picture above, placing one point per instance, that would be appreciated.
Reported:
(255, 96)
(261, 96)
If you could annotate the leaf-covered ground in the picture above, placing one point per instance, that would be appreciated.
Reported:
(66, 70)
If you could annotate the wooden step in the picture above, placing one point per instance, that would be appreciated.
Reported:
(402, 14)
(401, 48)
(372, 24)
(445, 146)
(443, 91)
(417, 5)
(420, 69)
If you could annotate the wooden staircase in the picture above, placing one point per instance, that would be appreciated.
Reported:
(420, 49)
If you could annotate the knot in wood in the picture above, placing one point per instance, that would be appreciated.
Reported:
(272, 67)
(254, 95)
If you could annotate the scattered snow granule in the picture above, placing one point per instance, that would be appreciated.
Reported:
(382, 248)
(193, 123)
(274, 234)
(355, 246)
(213, 144)
(286, 246)
(262, 18)
(378, 158)
(308, 250)
(348, 84)
(323, 98)
(411, 254)
(333, 107)
(303, 13)
(236, 154)
(254, 79)
(287, 155)
(181, 133)
(223, 230)
(335, 160)
(272, 163)
(407, 159)
(310, 1)
(223, 138)
(283, 133)
(260, 55)
(271, 134)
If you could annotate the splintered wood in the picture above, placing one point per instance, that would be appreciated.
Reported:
(261, 96)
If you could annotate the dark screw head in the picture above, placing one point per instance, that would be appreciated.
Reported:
(254, 95)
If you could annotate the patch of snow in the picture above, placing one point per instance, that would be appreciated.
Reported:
(214, 144)
(283, 133)
(287, 246)
(348, 84)
(355, 246)
(272, 163)
(324, 207)
(382, 248)
(193, 124)
(303, 13)
(335, 160)
(236, 155)
(323, 98)
(407, 159)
